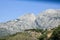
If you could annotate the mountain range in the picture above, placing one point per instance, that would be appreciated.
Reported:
(47, 19)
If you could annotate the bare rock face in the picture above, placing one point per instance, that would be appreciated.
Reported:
(46, 20)
(18, 25)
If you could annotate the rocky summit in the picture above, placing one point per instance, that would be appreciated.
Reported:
(47, 19)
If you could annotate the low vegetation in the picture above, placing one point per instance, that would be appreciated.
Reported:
(53, 34)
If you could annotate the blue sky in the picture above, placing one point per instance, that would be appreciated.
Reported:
(12, 9)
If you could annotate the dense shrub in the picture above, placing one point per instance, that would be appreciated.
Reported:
(56, 34)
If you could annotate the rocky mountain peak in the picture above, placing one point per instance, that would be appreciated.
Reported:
(51, 11)
(46, 20)
(29, 17)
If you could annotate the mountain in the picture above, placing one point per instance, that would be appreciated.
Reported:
(48, 19)
(45, 20)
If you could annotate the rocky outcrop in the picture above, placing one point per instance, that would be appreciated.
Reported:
(48, 19)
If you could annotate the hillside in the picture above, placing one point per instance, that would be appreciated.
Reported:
(35, 34)
(47, 19)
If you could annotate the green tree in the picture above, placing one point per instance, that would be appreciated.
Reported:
(56, 34)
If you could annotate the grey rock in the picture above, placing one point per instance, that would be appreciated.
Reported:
(46, 20)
